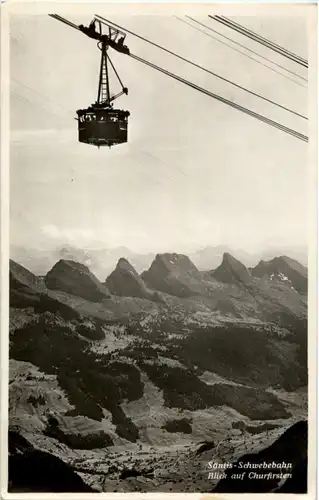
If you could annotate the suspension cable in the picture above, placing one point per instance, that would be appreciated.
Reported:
(266, 40)
(42, 96)
(255, 94)
(246, 48)
(247, 111)
(65, 21)
(263, 41)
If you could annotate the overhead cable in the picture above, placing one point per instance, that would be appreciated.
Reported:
(42, 96)
(259, 39)
(246, 48)
(247, 111)
(184, 59)
(65, 21)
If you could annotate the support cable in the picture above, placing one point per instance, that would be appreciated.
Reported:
(259, 39)
(247, 111)
(246, 48)
(255, 94)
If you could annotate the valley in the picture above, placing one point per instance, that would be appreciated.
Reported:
(139, 381)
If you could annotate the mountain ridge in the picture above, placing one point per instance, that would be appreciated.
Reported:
(75, 278)
(283, 268)
(125, 281)
(102, 261)
(231, 271)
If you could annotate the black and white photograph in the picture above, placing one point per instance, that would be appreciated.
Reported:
(160, 216)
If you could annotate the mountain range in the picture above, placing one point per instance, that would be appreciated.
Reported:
(124, 378)
(102, 261)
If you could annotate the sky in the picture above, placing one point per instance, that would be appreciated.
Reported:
(194, 172)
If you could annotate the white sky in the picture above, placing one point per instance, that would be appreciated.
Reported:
(194, 172)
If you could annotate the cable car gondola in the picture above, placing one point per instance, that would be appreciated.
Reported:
(100, 124)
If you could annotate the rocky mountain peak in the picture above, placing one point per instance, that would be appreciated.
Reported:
(228, 258)
(125, 281)
(287, 262)
(124, 265)
(173, 262)
(20, 277)
(75, 278)
(231, 271)
(174, 274)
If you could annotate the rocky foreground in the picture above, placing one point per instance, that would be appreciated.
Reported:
(205, 467)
